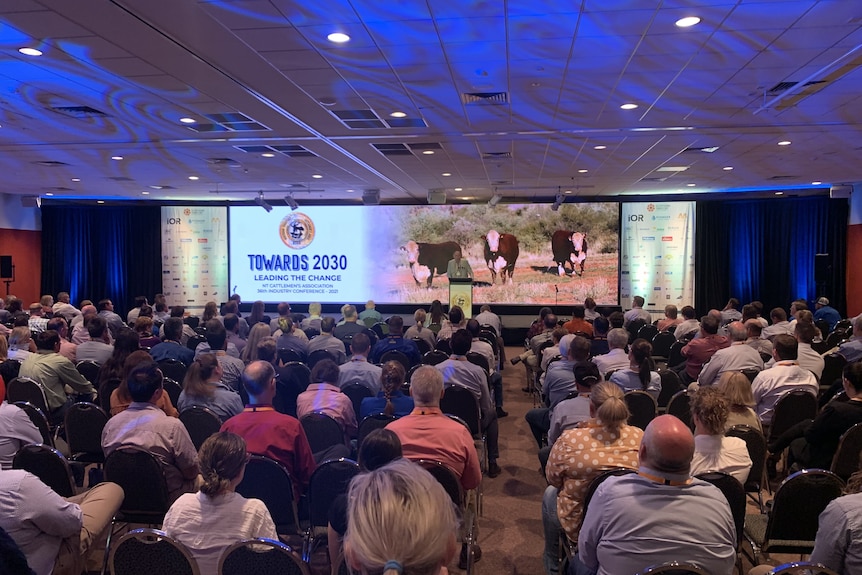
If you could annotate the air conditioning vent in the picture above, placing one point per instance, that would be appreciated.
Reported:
(496, 155)
(485, 98)
(51, 163)
(774, 178)
(79, 112)
(393, 149)
(120, 179)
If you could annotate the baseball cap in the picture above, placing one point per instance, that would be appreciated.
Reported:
(823, 301)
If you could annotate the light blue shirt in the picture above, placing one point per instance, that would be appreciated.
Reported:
(838, 544)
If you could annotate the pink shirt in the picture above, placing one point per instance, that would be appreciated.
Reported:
(327, 398)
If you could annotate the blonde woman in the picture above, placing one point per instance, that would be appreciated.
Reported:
(203, 386)
(399, 520)
(736, 389)
(578, 456)
(20, 344)
(257, 333)
(712, 450)
(419, 330)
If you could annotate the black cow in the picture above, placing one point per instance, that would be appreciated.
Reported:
(501, 253)
(429, 258)
(569, 248)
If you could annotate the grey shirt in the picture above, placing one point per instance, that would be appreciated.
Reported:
(838, 544)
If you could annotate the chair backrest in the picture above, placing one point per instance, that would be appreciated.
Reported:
(846, 460)
(647, 332)
(634, 327)
(39, 420)
(142, 478)
(381, 329)
(372, 422)
(734, 492)
(195, 341)
(322, 431)
(293, 379)
(269, 481)
(642, 406)
(105, 391)
(756, 444)
(261, 556)
(797, 505)
(173, 368)
(661, 343)
(29, 390)
(173, 389)
(400, 357)
(750, 373)
(311, 332)
(84, 424)
(674, 356)
(670, 386)
(790, 409)
(422, 344)
(200, 422)
(329, 480)
(356, 392)
(445, 346)
(317, 355)
(490, 338)
(434, 357)
(478, 359)
(834, 338)
(286, 356)
(372, 335)
(47, 464)
(833, 368)
(679, 407)
(89, 369)
(149, 551)
(802, 568)
(675, 568)
(460, 401)
(447, 478)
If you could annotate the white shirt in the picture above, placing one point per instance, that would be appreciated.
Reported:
(16, 431)
(614, 359)
(492, 319)
(778, 328)
(686, 327)
(208, 526)
(720, 453)
(734, 358)
(771, 384)
(808, 359)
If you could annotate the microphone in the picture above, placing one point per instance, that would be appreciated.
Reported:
(234, 289)
(556, 289)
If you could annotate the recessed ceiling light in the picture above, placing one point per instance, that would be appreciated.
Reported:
(428, 152)
(156, 187)
(672, 169)
(118, 158)
(709, 149)
(350, 191)
(398, 115)
(194, 178)
(727, 168)
(784, 143)
(445, 174)
(49, 193)
(779, 193)
(100, 201)
(316, 176)
(629, 106)
(145, 192)
(582, 171)
(600, 147)
(76, 179)
(188, 120)
(338, 37)
(30, 51)
(816, 183)
(568, 192)
(459, 189)
(691, 185)
(268, 155)
(688, 21)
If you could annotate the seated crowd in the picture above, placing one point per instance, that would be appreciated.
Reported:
(259, 376)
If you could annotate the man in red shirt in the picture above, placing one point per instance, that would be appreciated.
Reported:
(699, 350)
(578, 325)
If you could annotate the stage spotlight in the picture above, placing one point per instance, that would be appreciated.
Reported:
(495, 199)
(288, 199)
(259, 200)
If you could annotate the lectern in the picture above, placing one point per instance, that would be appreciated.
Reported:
(461, 294)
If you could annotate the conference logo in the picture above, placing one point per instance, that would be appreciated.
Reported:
(296, 230)
(650, 208)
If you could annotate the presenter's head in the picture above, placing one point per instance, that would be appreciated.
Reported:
(457, 256)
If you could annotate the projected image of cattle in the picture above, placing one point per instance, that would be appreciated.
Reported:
(520, 254)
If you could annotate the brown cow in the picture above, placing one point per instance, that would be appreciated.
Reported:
(569, 248)
(501, 253)
(430, 259)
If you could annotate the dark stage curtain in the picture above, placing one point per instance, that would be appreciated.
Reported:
(102, 252)
(764, 250)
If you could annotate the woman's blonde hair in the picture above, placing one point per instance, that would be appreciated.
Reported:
(258, 332)
(610, 405)
(419, 317)
(199, 373)
(399, 513)
(4, 348)
(20, 338)
(222, 458)
(737, 390)
(391, 378)
(210, 311)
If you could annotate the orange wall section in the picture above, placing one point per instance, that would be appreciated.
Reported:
(25, 247)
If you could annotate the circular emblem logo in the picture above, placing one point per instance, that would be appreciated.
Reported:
(296, 230)
(650, 207)
(187, 212)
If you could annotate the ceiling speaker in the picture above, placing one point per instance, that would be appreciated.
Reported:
(31, 201)
(436, 197)
(841, 192)
(371, 197)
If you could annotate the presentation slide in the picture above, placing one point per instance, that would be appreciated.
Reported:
(519, 254)
(657, 247)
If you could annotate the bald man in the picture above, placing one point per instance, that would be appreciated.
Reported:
(660, 513)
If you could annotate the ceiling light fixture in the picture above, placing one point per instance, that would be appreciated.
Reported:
(687, 22)
(194, 178)
(76, 179)
(459, 189)
(288, 199)
(599, 147)
(495, 199)
(188, 120)
(117, 158)
(338, 37)
(145, 193)
(784, 143)
(691, 185)
(672, 169)
(49, 194)
(727, 168)
(30, 51)
(316, 176)
(100, 201)
(779, 193)
(709, 149)
(398, 115)
(816, 183)
(268, 155)
(156, 187)
(259, 200)
(583, 171)
(428, 152)
(446, 174)
(629, 106)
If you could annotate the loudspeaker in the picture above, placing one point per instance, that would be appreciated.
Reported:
(841, 192)
(5, 267)
(371, 197)
(436, 196)
(31, 201)
(822, 268)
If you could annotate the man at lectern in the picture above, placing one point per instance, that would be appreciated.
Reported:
(459, 268)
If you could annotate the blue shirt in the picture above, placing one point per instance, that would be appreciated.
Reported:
(370, 405)
(828, 314)
(225, 402)
(629, 380)
(397, 343)
(172, 350)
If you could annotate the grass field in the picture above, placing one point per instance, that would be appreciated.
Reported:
(534, 280)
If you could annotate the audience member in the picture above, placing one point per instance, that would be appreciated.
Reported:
(64, 309)
(495, 379)
(132, 316)
(736, 357)
(558, 384)
(68, 349)
(292, 338)
(324, 396)
(171, 346)
(249, 351)
(233, 307)
(370, 315)
(616, 358)
(327, 342)
(754, 329)
(671, 319)
(699, 350)
(80, 333)
(838, 544)
(187, 332)
(419, 331)
(351, 326)
(659, 513)
(730, 312)
(231, 325)
(553, 352)
(258, 314)
(391, 400)
(16, 429)
(436, 315)
(144, 329)
(590, 312)
(114, 321)
(314, 318)
(455, 321)
(636, 312)
(852, 348)
(203, 386)
(578, 324)
(779, 326)
(210, 312)
(231, 367)
(191, 517)
(37, 322)
(98, 348)
(21, 345)
(270, 433)
(145, 426)
(121, 399)
(689, 325)
(823, 311)
(639, 376)
(737, 391)
(395, 342)
(359, 369)
(784, 376)
(599, 343)
(713, 451)
(283, 310)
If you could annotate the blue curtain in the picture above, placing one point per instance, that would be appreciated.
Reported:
(102, 252)
(764, 250)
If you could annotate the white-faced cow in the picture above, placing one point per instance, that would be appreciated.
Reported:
(501, 253)
(569, 248)
(428, 260)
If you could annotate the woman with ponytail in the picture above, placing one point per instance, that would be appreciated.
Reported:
(209, 521)
(582, 453)
(203, 386)
(400, 521)
(640, 375)
(391, 400)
